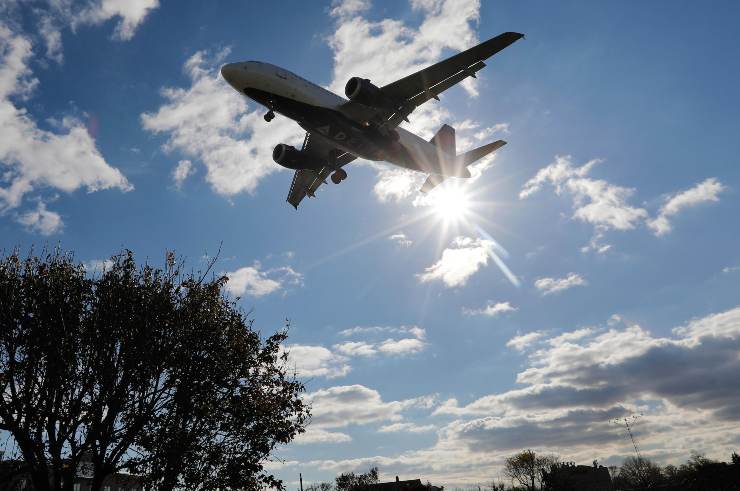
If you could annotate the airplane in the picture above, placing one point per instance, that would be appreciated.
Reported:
(364, 125)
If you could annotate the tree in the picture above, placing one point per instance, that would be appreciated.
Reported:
(526, 468)
(320, 486)
(638, 472)
(139, 369)
(495, 486)
(355, 482)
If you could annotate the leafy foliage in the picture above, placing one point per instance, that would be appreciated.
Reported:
(526, 468)
(355, 482)
(140, 369)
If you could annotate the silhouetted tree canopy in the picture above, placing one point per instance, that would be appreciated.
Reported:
(356, 482)
(526, 468)
(638, 472)
(138, 369)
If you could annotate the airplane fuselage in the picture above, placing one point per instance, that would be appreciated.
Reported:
(319, 111)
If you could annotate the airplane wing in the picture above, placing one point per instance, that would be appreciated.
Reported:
(307, 181)
(412, 91)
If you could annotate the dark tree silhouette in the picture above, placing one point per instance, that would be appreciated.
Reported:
(638, 472)
(526, 468)
(320, 486)
(138, 369)
(355, 482)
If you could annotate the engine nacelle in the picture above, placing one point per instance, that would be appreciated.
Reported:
(363, 91)
(291, 158)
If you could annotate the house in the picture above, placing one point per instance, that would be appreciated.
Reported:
(410, 485)
(14, 478)
(571, 477)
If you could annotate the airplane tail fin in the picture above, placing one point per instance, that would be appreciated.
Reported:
(445, 140)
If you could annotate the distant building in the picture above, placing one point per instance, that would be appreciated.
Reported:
(411, 485)
(570, 477)
(14, 478)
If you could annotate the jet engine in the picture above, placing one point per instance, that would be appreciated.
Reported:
(291, 158)
(363, 91)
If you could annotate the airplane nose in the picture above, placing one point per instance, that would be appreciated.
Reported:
(229, 71)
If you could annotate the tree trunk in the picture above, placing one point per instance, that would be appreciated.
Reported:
(40, 479)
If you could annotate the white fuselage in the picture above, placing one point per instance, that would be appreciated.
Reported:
(323, 113)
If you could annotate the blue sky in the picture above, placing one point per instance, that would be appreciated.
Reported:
(616, 199)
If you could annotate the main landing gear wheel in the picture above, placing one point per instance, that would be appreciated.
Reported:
(338, 176)
(269, 116)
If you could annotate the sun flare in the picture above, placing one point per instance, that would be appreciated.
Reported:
(451, 204)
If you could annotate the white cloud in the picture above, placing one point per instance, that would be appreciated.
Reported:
(211, 122)
(316, 361)
(51, 17)
(341, 406)
(315, 435)
(401, 239)
(595, 201)
(402, 346)
(571, 336)
(348, 8)
(250, 280)
(555, 285)
(704, 192)
(523, 341)
(356, 348)
(131, 13)
(52, 38)
(485, 133)
(182, 171)
(415, 331)
(492, 309)
(32, 158)
(388, 346)
(606, 206)
(459, 262)
(41, 220)
(97, 266)
(580, 380)
(395, 184)
(730, 269)
(406, 428)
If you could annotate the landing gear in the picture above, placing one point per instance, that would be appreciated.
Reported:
(338, 176)
(269, 116)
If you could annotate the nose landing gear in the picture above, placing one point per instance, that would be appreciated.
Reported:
(269, 116)
(338, 176)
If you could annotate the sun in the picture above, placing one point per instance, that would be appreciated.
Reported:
(451, 204)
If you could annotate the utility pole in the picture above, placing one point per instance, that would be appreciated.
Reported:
(300, 478)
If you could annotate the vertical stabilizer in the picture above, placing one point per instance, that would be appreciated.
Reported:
(444, 140)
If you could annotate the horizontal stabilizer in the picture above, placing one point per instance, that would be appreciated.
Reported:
(433, 180)
(467, 158)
